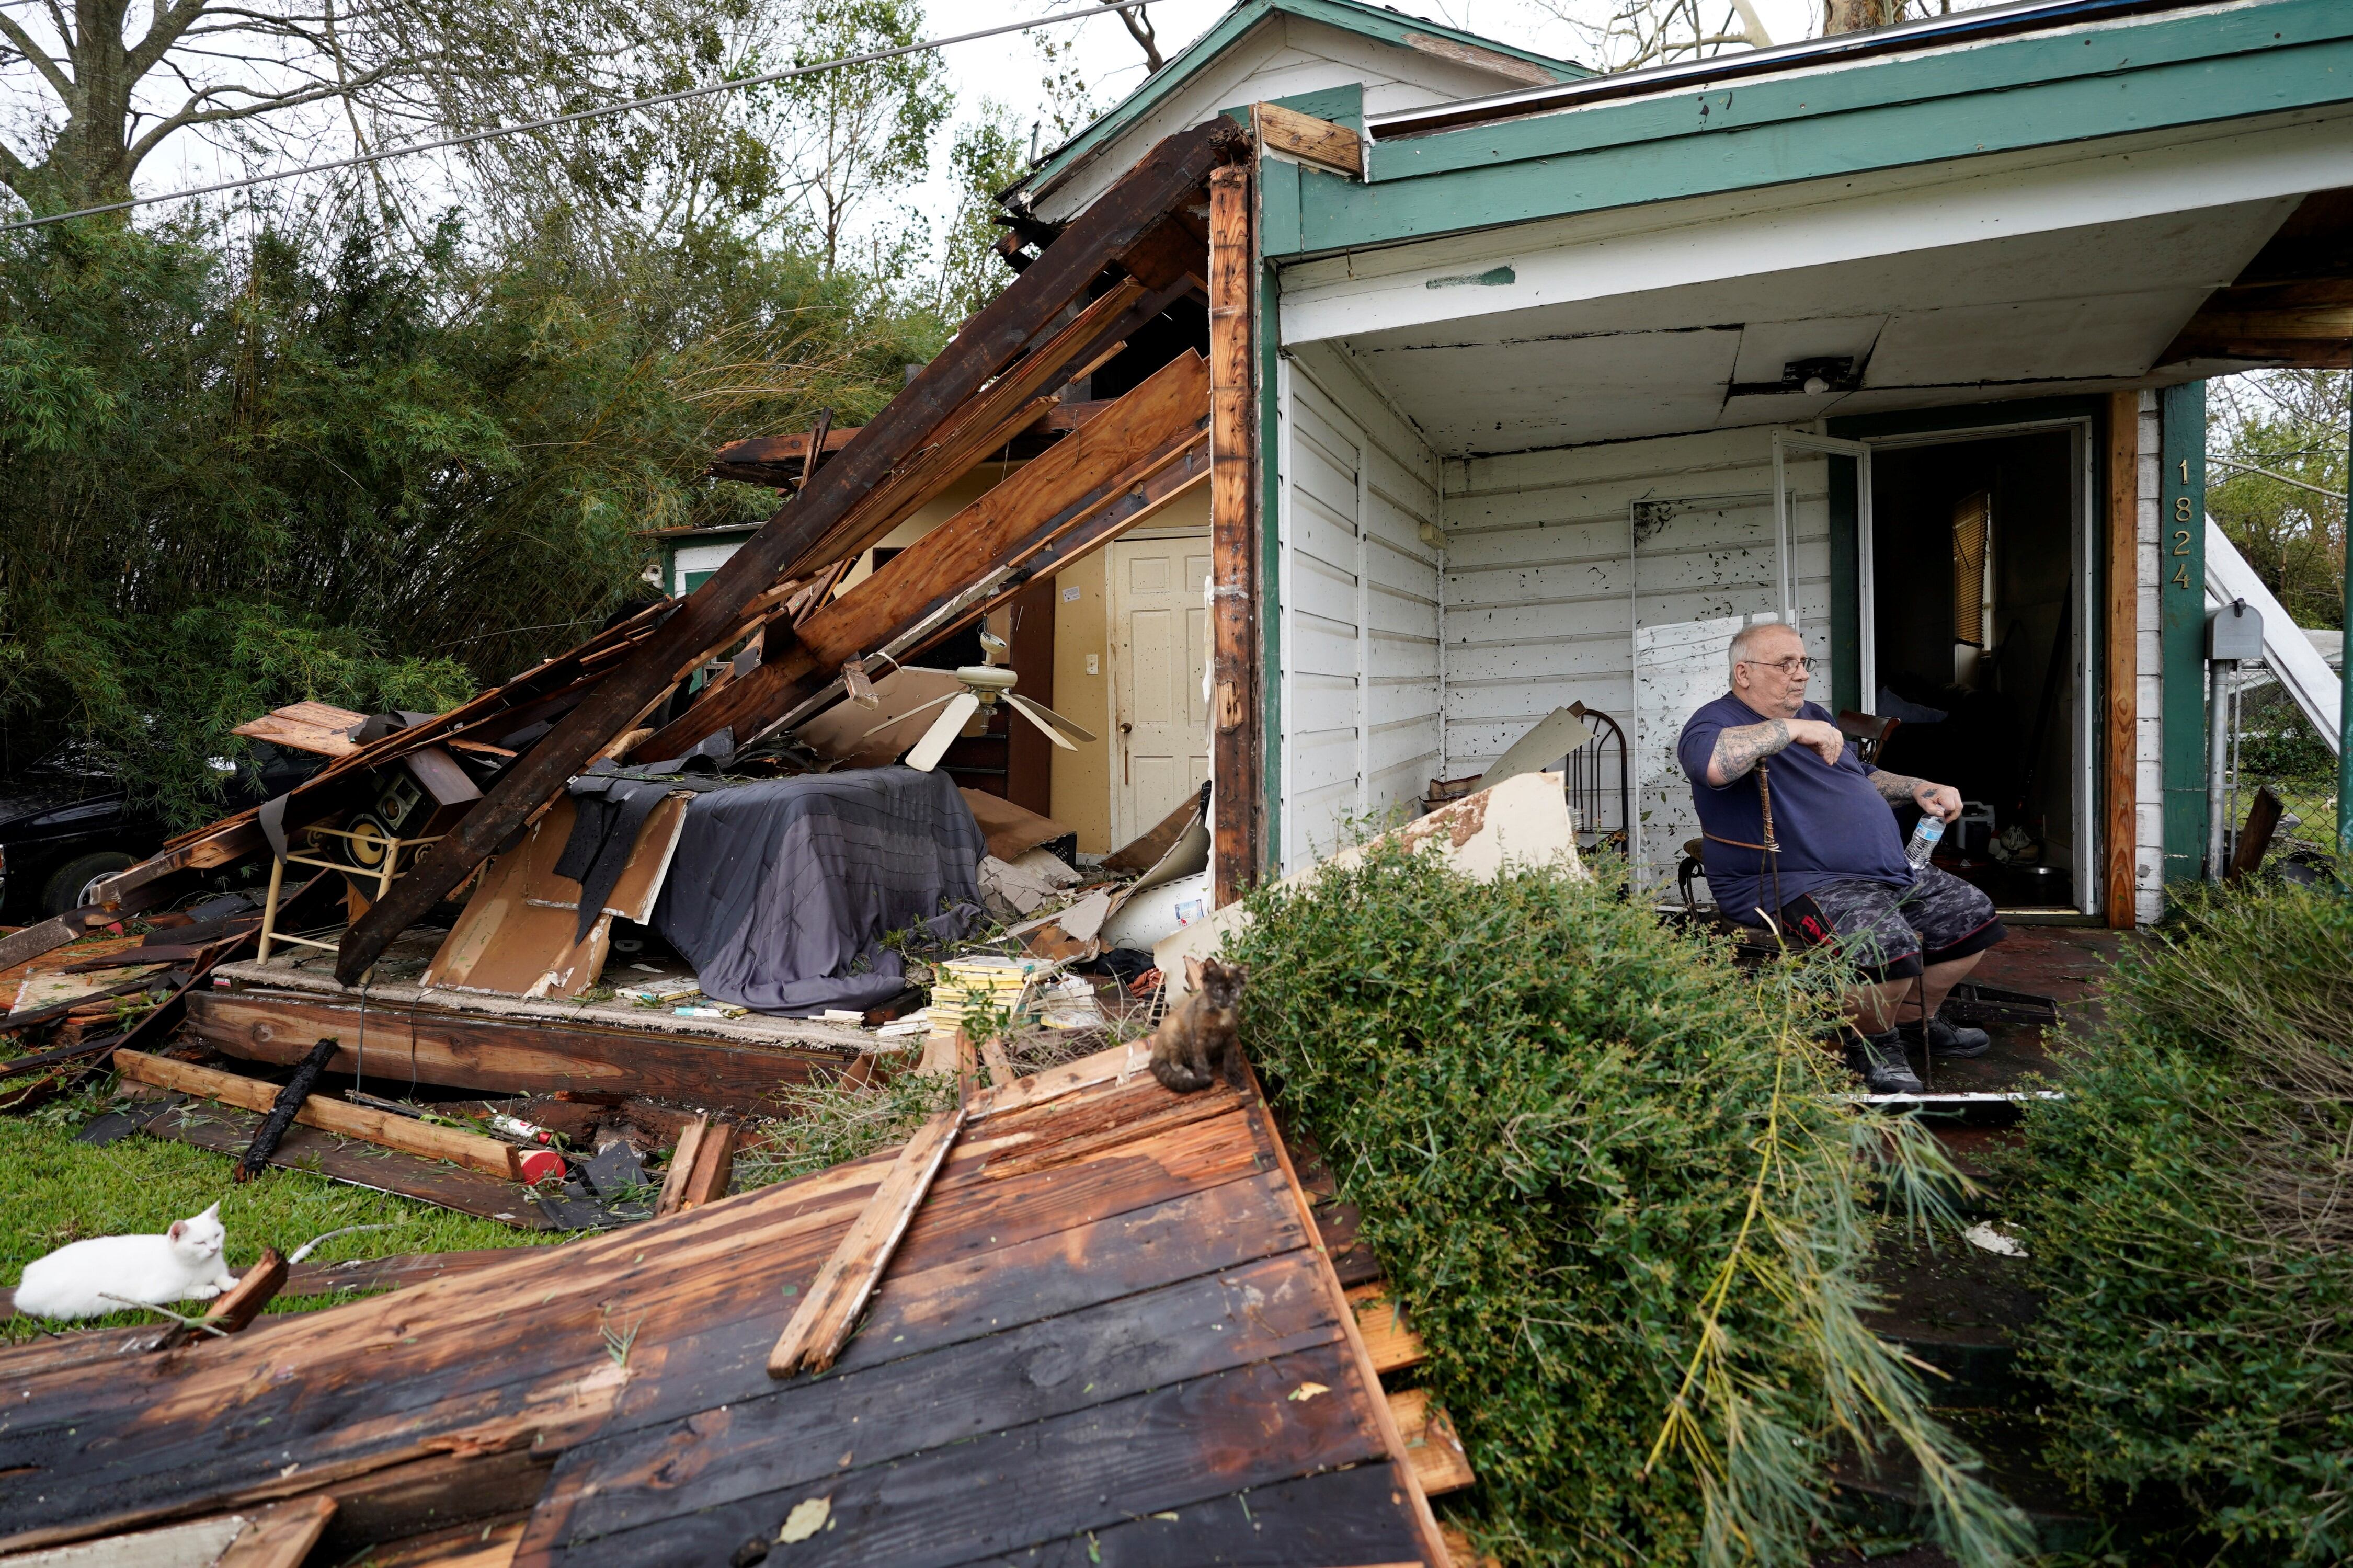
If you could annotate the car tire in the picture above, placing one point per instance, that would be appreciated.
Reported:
(62, 894)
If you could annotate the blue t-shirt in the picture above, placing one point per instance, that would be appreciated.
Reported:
(1831, 823)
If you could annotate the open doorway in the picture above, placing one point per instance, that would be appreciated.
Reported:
(1979, 594)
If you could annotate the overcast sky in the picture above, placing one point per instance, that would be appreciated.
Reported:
(1010, 70)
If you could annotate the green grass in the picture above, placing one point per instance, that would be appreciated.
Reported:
(53, 1190)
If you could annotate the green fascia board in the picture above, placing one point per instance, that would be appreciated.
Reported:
(2038, 91)
(1372, 22)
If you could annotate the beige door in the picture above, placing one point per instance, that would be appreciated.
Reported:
(1160, 647)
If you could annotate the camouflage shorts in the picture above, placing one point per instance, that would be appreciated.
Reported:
(1891, 933)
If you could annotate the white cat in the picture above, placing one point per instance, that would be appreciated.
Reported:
(89, 1279)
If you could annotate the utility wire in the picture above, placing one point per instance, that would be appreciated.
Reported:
(2250, 468)
(1104, 7)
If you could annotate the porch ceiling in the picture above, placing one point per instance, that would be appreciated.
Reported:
(2061, 309)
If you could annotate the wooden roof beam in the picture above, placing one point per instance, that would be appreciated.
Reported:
(813, 522)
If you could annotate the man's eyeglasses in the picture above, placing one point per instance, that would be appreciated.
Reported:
(1789, 666)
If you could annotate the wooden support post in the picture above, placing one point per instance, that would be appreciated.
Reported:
(1233, 539)
(821, 1325)
(2120, 677)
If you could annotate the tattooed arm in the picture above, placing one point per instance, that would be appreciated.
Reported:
(1902, 789)
(1741, 749)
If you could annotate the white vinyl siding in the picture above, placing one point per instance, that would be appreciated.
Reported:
(1545, 584)
(1359, 600)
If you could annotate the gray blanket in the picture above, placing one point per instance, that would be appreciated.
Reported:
(782, 891)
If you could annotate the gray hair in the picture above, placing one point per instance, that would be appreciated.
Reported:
(1744, 641)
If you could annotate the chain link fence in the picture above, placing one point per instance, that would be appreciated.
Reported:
(2275, 747)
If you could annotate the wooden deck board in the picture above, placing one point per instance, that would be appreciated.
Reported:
(1101, 1312)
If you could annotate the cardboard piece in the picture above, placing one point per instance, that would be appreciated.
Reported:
(515, 937)
(1012, 831)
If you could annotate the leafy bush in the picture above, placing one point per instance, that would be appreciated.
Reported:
(2189, 1210)
(1606, 1176)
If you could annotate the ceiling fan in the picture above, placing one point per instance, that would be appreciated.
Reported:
(967, 710)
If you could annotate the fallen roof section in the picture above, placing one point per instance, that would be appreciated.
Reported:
(1110, 1320)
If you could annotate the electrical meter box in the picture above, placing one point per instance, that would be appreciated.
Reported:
(2236, 631)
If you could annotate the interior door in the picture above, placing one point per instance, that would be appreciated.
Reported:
(1160, 649)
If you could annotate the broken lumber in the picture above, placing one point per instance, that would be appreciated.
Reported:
(830, 1307)
(1313, 142)
(410, 1136)
(982, 351)
(1391, 1344)
(290, 1102)
(282, 1536)
(1431, 1445)
(234, 1309)
(1142, 451)
(701, 1166)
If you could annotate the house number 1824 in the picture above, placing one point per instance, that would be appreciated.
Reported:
(2182, 512)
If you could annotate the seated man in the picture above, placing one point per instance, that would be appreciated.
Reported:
(1837, 870)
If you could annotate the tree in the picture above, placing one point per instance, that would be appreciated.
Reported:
(1628, 35)
(217, 63)
(986, 159)
(2275, 483)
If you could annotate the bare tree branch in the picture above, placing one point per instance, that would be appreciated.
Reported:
(1139, 27)
(51, 70)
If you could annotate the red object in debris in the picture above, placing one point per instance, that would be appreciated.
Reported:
(538, 1164)
(1146, 984)
(516, 1127)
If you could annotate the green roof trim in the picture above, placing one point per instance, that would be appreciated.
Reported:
(2037, 91)
(1375, 22)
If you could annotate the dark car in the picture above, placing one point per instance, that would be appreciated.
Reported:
(51, 852)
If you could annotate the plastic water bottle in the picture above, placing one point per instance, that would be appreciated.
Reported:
(1924, 840)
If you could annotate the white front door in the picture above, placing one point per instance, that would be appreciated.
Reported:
(1160, 648)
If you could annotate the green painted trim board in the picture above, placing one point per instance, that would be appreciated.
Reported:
(2182, 620)
(1706, 147)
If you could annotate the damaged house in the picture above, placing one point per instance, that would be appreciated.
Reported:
(1368, 394)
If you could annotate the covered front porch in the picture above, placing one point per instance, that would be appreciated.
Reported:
(1572, 387)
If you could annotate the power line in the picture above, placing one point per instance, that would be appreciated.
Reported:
(2250, 468)
(1103, 8)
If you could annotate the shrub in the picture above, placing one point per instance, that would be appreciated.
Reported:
(1607, 1180)
(2188, 1210)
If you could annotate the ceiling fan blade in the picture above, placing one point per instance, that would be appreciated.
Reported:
(936, 740)
(1046, 719)
(903, 717)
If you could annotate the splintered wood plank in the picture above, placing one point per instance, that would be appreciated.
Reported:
(1430, 1442)
(836, 1427)
(1344, 1518)
(1310, 140)
(1381, 1321)
(821, 1323)
(681, 1167)
(234, 1309)
(509, 1056)
(229, 1130)
(282, 1536)
(1044, 1481)
(405, 1133)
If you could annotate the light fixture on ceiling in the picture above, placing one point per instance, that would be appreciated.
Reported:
(1812, 377)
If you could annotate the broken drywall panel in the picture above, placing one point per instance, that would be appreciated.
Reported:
(1523, 822)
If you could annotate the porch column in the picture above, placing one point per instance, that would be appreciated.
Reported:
(1235, 741)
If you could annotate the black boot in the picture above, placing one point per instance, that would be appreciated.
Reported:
(1880, 1059)
(1947, 1039)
